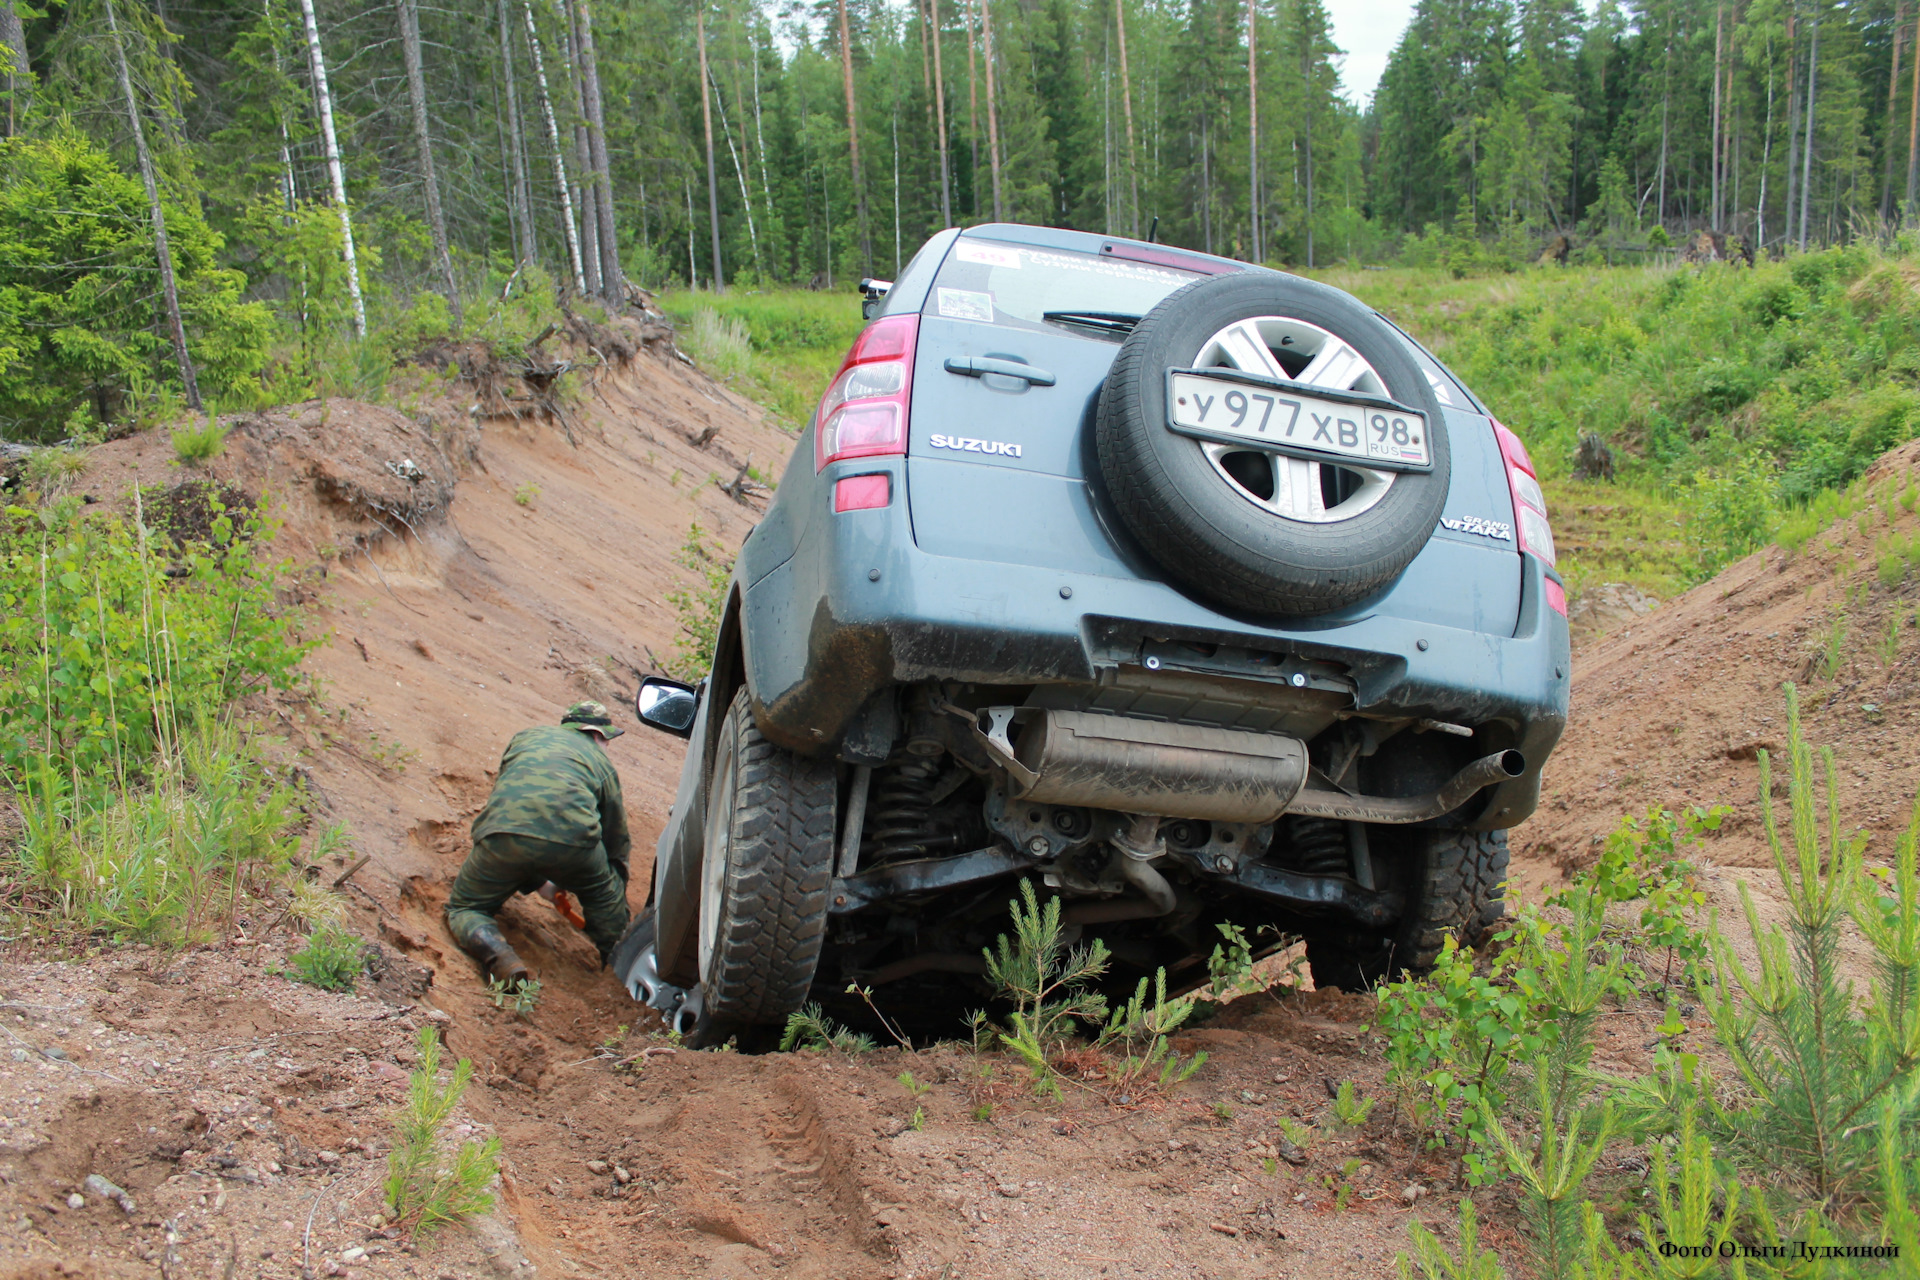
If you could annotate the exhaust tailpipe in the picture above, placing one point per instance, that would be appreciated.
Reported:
(1501, 766)
(1139, 846)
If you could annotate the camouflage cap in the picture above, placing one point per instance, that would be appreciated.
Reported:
(591, 717)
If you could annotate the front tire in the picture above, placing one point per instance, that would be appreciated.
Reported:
(766, 872)
(1459, 886)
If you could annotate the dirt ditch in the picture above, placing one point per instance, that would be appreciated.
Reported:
(473, 570)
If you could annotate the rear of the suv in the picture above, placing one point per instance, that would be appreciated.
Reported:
(1090, 568)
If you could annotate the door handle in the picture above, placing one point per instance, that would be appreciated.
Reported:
(980, 366)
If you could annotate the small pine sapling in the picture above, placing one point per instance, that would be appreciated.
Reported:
(1434, 1261)
(1047, 981)
(809, 1028)
(424, 1188)
(1351, 1109)
(1819, 1065)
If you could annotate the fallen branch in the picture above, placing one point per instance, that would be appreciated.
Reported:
(743, 488)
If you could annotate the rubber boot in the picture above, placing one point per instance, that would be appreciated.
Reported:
(492, 951)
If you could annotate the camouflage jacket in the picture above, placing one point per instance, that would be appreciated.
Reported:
(556, 785)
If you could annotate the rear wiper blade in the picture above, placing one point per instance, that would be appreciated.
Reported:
(1108, 321)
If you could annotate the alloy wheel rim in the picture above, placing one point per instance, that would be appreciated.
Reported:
(713, 855)
(1303, 490)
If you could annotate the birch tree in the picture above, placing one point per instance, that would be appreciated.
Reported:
(336, 177)
(553, 144)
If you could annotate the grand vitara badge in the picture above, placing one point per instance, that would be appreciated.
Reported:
(1498, 530)
(964, 444)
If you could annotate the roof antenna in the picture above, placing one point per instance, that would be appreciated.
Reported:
(1153, 227)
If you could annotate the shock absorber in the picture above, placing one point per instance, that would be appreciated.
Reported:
(1317, 845)
(899, 816)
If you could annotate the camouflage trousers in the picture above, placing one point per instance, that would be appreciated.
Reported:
(504, 864)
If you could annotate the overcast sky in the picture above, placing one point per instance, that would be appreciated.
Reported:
(1367, 30)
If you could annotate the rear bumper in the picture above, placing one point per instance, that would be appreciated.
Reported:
(859, 606)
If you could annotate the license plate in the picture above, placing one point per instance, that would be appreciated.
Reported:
(1232, 408)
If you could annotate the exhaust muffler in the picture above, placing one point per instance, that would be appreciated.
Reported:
(1121, 763)
(1148, 766)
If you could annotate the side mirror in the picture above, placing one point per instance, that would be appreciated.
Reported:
(667, 705)
(872, 294)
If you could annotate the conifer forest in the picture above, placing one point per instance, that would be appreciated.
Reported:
(274, 171)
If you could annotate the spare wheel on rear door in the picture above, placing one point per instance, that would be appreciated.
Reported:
(1302, 473)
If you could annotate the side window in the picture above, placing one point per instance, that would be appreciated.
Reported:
(909, 292)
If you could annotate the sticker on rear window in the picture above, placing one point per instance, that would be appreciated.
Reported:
(965, 304)
(987, 255)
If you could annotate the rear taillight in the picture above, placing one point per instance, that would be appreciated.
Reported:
(1529, 509)
(1529, 504)
(864, 413)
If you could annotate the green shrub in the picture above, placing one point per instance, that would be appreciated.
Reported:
(523, 997)
(148, 808)
(331, 960)
(78, 278)
(1815, 1140)
(700, 605)
(202, 443)
(1731, 513)
(108, 647)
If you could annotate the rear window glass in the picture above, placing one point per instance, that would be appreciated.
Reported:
(995, 282)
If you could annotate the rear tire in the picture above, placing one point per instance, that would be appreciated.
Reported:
(1459, 887)
(766, 873)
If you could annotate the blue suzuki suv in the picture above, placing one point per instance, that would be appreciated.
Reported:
(1193, 592)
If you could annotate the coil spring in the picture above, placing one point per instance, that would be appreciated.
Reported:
(1318, 845)
(899, 815)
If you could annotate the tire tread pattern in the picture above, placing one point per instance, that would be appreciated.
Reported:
(1459, 888)
(779, 875)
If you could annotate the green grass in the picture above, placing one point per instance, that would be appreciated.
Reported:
(796, 337)
(148, 808)
(1732, 398)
